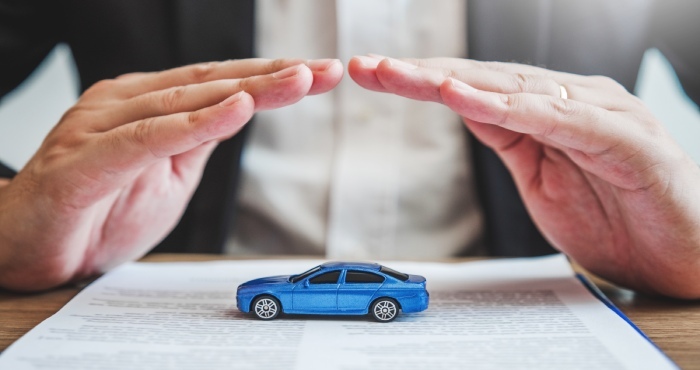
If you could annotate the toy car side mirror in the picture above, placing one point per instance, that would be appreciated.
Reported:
(306, 283)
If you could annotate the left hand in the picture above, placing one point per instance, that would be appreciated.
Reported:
(600, 176)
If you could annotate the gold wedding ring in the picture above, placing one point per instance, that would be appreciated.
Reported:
(563, 93)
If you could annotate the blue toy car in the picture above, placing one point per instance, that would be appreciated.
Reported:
(335, 288)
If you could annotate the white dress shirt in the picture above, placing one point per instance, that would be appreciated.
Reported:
(355, 174)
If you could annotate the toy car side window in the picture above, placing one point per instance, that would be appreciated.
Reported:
(393, 273)
(326, 278)
(362, 277)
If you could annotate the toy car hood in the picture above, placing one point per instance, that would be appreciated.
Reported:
(268, 280)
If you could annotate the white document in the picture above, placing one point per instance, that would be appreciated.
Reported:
(514, 314)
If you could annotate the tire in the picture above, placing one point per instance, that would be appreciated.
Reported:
(384, 309)
(266, 307)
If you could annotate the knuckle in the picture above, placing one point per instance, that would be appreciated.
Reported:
(278, 64)
(511, 103)
(75, 112)
(563, 108)
(60, 142)
(607, 82)
(421, 63)
(193, 118)
(451, 73)
(494, 66)
(203, 71)
(79, 118)
(112, 141)
(172, 99)
(650, 127)
(193, 121)
(101, 87)
(141, 134)
(600, 79)
(474, 64)
(243, 84)
(521, 82)
(58, 152)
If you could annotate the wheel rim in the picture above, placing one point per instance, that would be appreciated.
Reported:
(266, 308)
(385, 310)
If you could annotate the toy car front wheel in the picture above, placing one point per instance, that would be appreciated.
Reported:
(266, 307)
(384, 309)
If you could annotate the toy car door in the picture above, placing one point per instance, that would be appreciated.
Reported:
(318, 293)
(357, 289)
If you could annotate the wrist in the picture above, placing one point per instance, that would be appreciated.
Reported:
(31, 255)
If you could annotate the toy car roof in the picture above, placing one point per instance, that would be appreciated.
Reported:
(358, 265)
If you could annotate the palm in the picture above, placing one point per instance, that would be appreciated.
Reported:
(142, 211)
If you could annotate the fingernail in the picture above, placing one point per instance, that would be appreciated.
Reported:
(401, 64)
(368, 61)
(459, 85)
(377, 56)
(320, 65)
(231, 100)
(287, 72)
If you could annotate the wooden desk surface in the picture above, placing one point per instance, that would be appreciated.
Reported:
(673, 325)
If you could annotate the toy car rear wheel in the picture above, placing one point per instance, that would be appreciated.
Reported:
(384, 309)
(266, 307)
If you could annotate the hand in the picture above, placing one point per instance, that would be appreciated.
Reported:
(599, 175)
(114, 176)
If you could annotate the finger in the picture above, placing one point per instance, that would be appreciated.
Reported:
(504, 67)
(362, 69)
(133, 146)
(569, 123)
(327, 75)
(423, 83)
(269, 91)
(328, 70)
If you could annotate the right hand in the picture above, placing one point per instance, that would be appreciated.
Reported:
(114, 176)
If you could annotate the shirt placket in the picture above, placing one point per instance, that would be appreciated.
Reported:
(365, 180)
